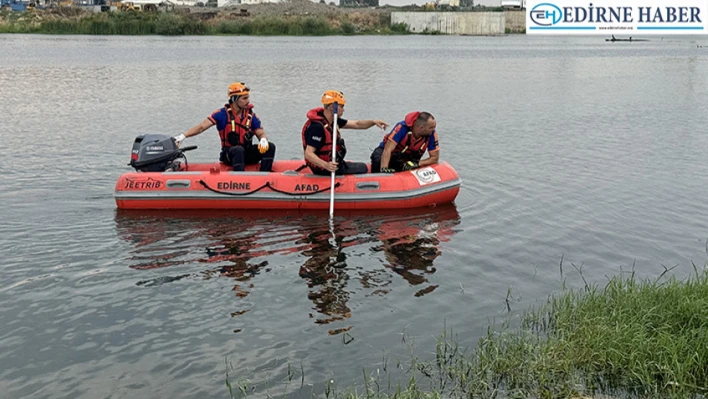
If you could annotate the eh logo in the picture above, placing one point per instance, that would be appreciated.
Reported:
(546, 14)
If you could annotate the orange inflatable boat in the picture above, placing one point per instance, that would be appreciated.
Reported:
(164, 180)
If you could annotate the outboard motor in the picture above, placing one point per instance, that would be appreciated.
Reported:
(157, 153)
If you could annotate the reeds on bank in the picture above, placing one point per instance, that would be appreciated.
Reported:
(70, 21)
(645, 338)
(627, 338)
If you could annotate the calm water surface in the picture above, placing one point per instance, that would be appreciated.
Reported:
(567, 147)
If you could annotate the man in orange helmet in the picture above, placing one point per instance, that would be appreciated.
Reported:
(317, 137)
(237, 124)
(403, 148)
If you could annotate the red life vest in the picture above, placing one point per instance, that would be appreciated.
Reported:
(316, 115)
(238, 128)
(410, 147)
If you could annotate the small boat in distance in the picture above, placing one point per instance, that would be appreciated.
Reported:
(614, 39)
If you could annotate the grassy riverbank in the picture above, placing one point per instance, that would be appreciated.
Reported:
(628, 338)
(76, 21)
(648, 338)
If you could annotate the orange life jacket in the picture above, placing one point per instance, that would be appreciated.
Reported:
(238, 128)
(316, 115)
(410, 147)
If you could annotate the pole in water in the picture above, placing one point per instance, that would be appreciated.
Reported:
(334, 159)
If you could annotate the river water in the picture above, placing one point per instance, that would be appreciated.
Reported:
(568, 148)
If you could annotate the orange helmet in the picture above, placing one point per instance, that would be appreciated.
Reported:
(238, 89)
(333, 96)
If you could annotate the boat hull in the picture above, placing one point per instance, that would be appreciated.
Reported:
(213, 186)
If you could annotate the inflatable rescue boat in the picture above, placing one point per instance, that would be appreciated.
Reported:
(163, 179)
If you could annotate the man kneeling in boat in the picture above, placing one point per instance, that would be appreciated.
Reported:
(237, 124)
(403, 148)
(317, 137)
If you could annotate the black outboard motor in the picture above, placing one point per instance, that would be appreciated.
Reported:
(157, 153)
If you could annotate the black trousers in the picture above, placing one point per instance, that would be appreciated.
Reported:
(396, 162)
(344, 168)
(238, 157)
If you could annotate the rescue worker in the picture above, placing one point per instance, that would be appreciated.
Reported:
(317, 137)
(403, 148)
(237, 124)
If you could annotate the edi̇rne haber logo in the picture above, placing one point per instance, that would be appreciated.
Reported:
(603, 17)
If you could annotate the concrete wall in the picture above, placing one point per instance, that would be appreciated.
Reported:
(452, 23)
(515, 21)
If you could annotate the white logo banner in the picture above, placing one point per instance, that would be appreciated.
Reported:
(610, 17)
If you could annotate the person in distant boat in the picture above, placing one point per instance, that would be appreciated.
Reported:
(403, 148)
(317, 137)
(237, 124)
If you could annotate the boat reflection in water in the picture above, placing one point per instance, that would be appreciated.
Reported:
(359, 251)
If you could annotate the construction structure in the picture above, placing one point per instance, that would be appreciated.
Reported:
(440, 5)
(17, 5)
(514, 4)
(225, 3)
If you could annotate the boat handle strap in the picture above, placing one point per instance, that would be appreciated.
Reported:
(203, 183)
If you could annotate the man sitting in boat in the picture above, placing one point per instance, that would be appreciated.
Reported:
(237, 124)
(317, 137)
(403, 148)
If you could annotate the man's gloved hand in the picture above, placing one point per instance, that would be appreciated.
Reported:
(410, 165)
(263, 145)
(388, 170)
(179, 139)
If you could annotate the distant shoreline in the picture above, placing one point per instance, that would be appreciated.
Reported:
(179, 24)
(293, 18)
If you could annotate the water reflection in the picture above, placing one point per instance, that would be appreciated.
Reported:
(411, 248)
(359, 252)
(235, 246)
(325, 269)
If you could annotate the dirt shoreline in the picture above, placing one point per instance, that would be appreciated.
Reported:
(362, 17)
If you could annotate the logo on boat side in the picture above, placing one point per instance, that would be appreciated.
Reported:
(307, 187)
(232, 185)
(426, 175)
(140, 184)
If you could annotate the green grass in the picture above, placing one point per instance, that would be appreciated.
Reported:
(645, 338)
(627, 338)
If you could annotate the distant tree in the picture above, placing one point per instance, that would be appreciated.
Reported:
(466, 3)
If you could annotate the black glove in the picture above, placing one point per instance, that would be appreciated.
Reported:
(387, 170)
(410, 165)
